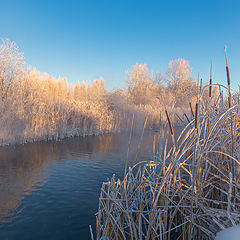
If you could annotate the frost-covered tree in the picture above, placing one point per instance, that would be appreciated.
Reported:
(11, 67)
(140, 83)
(179, 78)
(37, 106)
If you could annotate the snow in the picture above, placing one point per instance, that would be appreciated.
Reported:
(232, 233)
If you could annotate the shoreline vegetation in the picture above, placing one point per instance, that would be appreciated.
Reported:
(188, 191)
(35, 106)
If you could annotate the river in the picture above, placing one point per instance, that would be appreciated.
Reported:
(50, 190)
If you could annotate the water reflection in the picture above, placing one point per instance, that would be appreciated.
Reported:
(20, 170)
(56, 185)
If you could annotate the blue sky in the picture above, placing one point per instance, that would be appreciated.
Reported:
(85, 40)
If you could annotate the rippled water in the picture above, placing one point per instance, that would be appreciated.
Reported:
(50, 190)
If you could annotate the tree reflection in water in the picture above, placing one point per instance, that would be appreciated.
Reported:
(65, 177)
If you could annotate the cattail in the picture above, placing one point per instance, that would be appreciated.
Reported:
(210, 82)
(228, 80)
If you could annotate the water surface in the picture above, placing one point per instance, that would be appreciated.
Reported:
(50, 190)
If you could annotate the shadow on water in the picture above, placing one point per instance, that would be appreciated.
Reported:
(50, 190)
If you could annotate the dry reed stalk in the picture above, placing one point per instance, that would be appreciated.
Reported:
(230, 105)
(228, 80)
(129, 142)
(210, 96)
(196, 115)
(191, 109)
(201, 86)
(210, 83)
(169, 122)
(138, 147)
(187, 117)
(180, 119)
(171, 127)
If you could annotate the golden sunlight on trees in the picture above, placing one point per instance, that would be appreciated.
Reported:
(179, 87)
(11, 68)
(37, 106)
(179, 79)
(140, 83)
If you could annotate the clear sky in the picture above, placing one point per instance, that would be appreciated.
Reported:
(85, 40)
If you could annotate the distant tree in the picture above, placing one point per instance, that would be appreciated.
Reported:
(140, 83)
(179, 78)
(11, 67)
(158, 80)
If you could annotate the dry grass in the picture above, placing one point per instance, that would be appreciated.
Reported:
(190, 191)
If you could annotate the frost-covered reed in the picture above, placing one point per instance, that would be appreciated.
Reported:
(189, 190)
(39, 107)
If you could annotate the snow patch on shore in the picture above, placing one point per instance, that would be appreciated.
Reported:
(232, 233)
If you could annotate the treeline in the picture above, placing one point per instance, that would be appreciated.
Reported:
(37, 106)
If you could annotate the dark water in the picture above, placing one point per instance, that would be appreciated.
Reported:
(50, 190)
